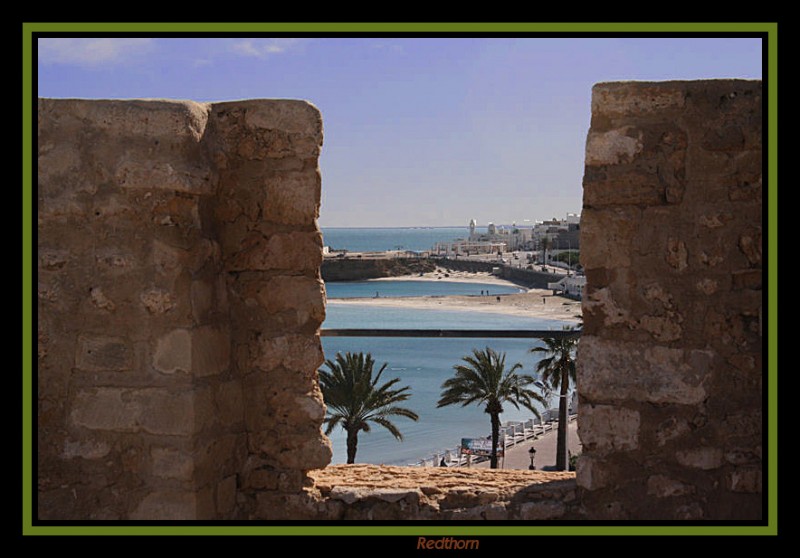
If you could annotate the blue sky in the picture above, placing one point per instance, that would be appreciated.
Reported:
(418, 131)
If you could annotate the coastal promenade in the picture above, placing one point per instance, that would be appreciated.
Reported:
(518, 456)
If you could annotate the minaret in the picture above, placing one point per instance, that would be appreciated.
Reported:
(472, 224)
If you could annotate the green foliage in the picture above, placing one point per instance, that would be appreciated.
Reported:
(482, 379)
(355, 399)
(570, 257)
(557, 370)
(573, 460)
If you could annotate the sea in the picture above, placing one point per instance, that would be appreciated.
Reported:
(416, 239)
(420, 363)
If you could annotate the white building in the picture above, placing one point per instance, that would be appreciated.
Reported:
(572, 285)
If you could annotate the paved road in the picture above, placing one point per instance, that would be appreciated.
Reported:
(517, 457)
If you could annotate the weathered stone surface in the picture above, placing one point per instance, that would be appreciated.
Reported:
(746, 480)
(151, 410)
(211, 351)
(106, 409)
(700, 458)
(173, 352)
(541, 510)
(98, 353)
(303, 296)
(605, 429)
(157, 301)
(88, 449)
(167, 506)
(664, 487)
(141, 204)
(292, 198)
(294, 251)
(293, 352)
(672, 305)
(171, 463)
(662, 375)
(226, 495)
(613, 147)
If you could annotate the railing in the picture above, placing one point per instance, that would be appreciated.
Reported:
(472, 333)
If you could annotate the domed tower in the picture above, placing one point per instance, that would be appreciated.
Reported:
(472, 224)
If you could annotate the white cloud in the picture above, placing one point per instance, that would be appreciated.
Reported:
(91, 51)
(261, 48)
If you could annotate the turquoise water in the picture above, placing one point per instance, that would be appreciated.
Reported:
(379, 239)
(423, 364)
(400, 288)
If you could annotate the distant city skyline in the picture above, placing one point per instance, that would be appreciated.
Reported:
(418, 131)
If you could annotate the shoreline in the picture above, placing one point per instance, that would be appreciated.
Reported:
(441, 274)
(534, 303)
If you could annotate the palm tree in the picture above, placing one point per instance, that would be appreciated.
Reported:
(355, 399)
(546, 244)
(557, 369)
(483, 379)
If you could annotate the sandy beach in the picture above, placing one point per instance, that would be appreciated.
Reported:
(538, 303)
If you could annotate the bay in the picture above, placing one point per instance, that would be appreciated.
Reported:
(366, 239)
(400, 288)
(423, 364)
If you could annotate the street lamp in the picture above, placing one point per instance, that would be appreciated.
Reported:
(532, 453)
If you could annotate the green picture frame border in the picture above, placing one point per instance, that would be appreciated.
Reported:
(767, 29)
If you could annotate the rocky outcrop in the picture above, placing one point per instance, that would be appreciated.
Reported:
(357, 269)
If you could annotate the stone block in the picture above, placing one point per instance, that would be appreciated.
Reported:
(304, 297)
(202, 299)
(166, 412)
(292, 198)
(613, 147)
(226, 495)
(604, 429)
(592, 473)
(167, 506)
(700, 458)
(747, 279)
(173, 352)
(302, 353)
(662, 374)
(86, 449)
(229, 402)
(662, 486)
(640, 100)
(294, 251)
(203, 351)
(99, 353)
(171, 463)
(106, 409)
(745, 479)
(211, 351)
(157, 301)
(607, 235)
(532, 511)
(296, 117)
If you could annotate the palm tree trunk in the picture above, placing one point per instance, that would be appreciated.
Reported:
(495, 437)
(561, 446)
(352, 444)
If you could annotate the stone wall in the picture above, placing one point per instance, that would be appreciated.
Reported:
(375, 493)
(669, 364)
(527, 277)
(178, 309)
(358, 269)
(180, 300)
